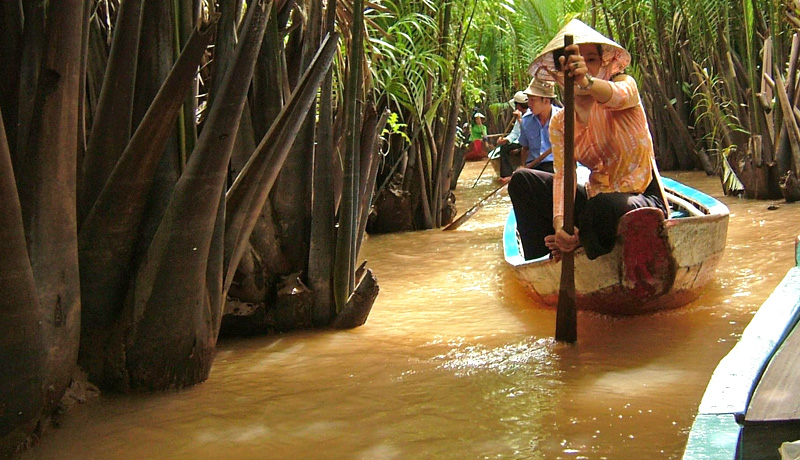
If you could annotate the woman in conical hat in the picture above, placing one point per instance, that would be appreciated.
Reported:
(614, 58)
(612, 139)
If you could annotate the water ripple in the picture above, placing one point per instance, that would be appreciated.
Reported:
(534, 355)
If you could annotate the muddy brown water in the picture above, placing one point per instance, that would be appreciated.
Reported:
(455, 362)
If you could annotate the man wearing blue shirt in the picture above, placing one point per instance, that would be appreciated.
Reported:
(535, 134)
(510, 143)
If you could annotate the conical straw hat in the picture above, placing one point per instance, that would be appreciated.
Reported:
(544, 67)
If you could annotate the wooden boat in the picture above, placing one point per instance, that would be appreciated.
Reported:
(748, 409)
(494, 159)
(656, 264)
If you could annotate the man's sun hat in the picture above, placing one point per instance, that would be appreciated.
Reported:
(479, 115)
(519, 98)
(541, 88)
(614, 55)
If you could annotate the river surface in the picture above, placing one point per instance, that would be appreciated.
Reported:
(455, 362)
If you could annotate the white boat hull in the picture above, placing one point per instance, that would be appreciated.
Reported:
(629, 280)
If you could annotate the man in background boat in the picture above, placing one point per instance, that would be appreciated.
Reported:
(535, 137)
(508, 144)
(612, 139)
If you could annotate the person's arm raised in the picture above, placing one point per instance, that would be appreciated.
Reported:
(601, 90)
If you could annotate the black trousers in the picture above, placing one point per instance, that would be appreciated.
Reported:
(531, 193)
(506, 166)
(546, 166)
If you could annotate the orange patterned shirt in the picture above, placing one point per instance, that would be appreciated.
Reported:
(615, 145)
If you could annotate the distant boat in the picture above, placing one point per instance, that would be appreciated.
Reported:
(656, 264)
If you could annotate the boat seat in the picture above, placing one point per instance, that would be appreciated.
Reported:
(678, 213)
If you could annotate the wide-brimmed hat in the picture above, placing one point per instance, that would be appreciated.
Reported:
(541, 88)
(519, 98)
(479, 115)
(615, 55)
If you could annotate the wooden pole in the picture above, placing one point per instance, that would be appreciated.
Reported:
(504, 133)
(466, 216)
(566, 314)
(481, 173)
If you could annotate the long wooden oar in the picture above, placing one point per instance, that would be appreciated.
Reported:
(481, 173)
(535, 162)
(566, 315)
(465, 217)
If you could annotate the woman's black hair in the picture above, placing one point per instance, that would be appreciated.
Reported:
(557, 53)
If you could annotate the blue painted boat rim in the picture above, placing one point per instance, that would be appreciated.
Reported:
(710, 204)
(733, 382)
(713, 437)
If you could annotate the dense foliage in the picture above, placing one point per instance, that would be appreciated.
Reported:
(707, 72)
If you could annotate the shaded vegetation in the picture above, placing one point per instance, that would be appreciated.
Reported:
(134, 187)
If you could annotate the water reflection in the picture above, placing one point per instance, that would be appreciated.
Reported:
(456, 363)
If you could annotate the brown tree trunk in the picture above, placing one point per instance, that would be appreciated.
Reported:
(156, 58)
(11, 21)
(291, 198)
(110, 233)
(22, 343)
(248, 195)
(747, 163)
(323, 206)
(47, 176)
(111, 129)
(268, 81)
(177, 298)
(33, 45)
(371, 157)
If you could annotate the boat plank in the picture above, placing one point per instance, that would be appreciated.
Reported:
(738, 372)
(729, 405)
(685, 204)
(776, 397)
